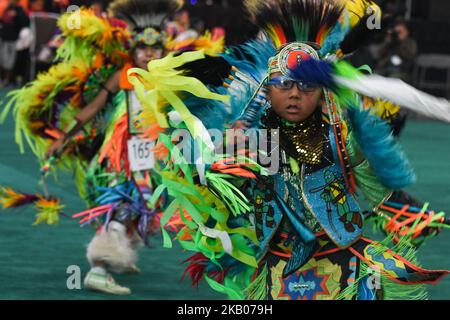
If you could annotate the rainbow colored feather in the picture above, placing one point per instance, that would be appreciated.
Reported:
(47, 209)
(10, 198)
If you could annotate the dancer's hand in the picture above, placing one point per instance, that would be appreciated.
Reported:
(55, 147)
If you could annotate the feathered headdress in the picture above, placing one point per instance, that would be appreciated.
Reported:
(298, 20)
(141, 14)
(144, 18)
(335, 26)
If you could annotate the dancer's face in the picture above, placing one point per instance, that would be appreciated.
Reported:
(142, 55)
(293, 104)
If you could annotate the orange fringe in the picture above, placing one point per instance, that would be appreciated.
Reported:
(116, 150)
(160, 151)
(234, 169)
(402, 228)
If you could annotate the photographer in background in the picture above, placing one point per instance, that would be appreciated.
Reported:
(398, 53)
(396, 58)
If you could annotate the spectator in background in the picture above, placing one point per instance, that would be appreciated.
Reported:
(396, 59)
(394, 8)
(180, 23)
(180, 29)
(5, 3)
(99, 7)
(13, 20)
(398, 53)
(36, 6)
(198, 25)
(59, 6)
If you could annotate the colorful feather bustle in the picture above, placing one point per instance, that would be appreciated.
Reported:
(92, 35)
(34, 103)
(49, 103)
(42, 109)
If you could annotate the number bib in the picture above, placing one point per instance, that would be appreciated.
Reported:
(140, 155)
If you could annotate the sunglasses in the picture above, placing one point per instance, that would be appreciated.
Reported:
(287, 84)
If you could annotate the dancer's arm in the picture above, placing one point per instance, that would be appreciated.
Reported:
(84, 116)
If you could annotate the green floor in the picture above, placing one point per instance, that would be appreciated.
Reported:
(34, 260)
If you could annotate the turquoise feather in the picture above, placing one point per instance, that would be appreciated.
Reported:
(380, 148)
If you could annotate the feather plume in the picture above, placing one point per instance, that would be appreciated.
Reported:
(141, 14)
(381, 149)
(298, 20)
(48, 211)
(360, 12)
(10, 198)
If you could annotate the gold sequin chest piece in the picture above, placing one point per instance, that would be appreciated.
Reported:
(304, 141)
